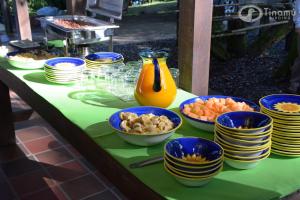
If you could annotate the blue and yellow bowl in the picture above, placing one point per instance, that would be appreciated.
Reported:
(206, 125)
(145, 139)
(231, 121)
(180, 147)
(269, 103)
(104, 57)
(193, 173)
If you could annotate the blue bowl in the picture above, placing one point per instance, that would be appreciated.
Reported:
(270, 101)
(114, 57)
(232, 120)
(206, 125)
(79, 63)
(145, 139)
(180, 147)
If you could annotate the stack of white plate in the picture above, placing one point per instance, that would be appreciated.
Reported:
(64, 70)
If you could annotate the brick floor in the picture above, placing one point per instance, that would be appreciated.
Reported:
(43, 166)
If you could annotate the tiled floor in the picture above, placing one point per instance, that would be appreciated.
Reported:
(43, 166)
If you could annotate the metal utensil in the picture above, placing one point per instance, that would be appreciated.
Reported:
(147, 162)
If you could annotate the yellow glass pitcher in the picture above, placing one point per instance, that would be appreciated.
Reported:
(155, 86)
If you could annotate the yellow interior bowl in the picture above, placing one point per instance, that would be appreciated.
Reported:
(192, 177)
(248, 157)
(287, 145)
(284, 153)
(284, 148)
(279, 136)
(287, 122)
(237, 133)
(287, 128)
(193, 167)
(243, 137)
(239, 147)
(227, 138)
(285, 141)
(191, 172)
(251, 161)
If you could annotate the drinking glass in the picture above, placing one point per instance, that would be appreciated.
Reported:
(87, 80)
(175, 74)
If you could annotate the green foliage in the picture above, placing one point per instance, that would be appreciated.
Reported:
(34, 5)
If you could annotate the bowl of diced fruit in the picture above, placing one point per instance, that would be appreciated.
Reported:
(201, 112)
(145, 125)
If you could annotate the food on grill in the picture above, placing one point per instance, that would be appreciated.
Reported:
(209, 110)
(73, 24)
(145, 124)
(194, 158)
(32, 56)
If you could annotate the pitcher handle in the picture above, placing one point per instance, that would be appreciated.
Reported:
(157, 79)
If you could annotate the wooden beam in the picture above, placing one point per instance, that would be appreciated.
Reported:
(22, 19)
(76, 7)
(6, 16)
(194, 42)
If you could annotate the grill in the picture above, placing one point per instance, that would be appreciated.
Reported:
(79, 32)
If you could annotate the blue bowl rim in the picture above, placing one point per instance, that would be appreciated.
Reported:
(212, 96)
(249, 129)
(195, 163)
(70, 58)
(136, 134)
(118, 55)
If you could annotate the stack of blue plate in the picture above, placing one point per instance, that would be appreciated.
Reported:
(193, 161)
(64, 70)
(96, 60)
(285, 111)
(245, 138)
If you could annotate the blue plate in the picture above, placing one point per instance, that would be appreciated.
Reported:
(270, 101)
(76, 61)
(205, 98)
(114, 57)
(115, 120)
(233, 120)
(180, 147)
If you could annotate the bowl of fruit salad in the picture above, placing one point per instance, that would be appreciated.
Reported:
(201, 112)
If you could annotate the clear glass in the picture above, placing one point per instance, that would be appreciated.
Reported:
(87, 80)
(175, 74)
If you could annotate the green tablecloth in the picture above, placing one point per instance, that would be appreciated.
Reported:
(275, 177)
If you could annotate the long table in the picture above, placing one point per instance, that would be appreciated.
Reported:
(81, 117)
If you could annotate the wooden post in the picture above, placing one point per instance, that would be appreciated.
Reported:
(7, 132)
(22, 19)
(195, 23)
(76, 7)
(6, 16)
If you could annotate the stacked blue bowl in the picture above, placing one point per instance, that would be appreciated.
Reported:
(245, 137)
(193, 161)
